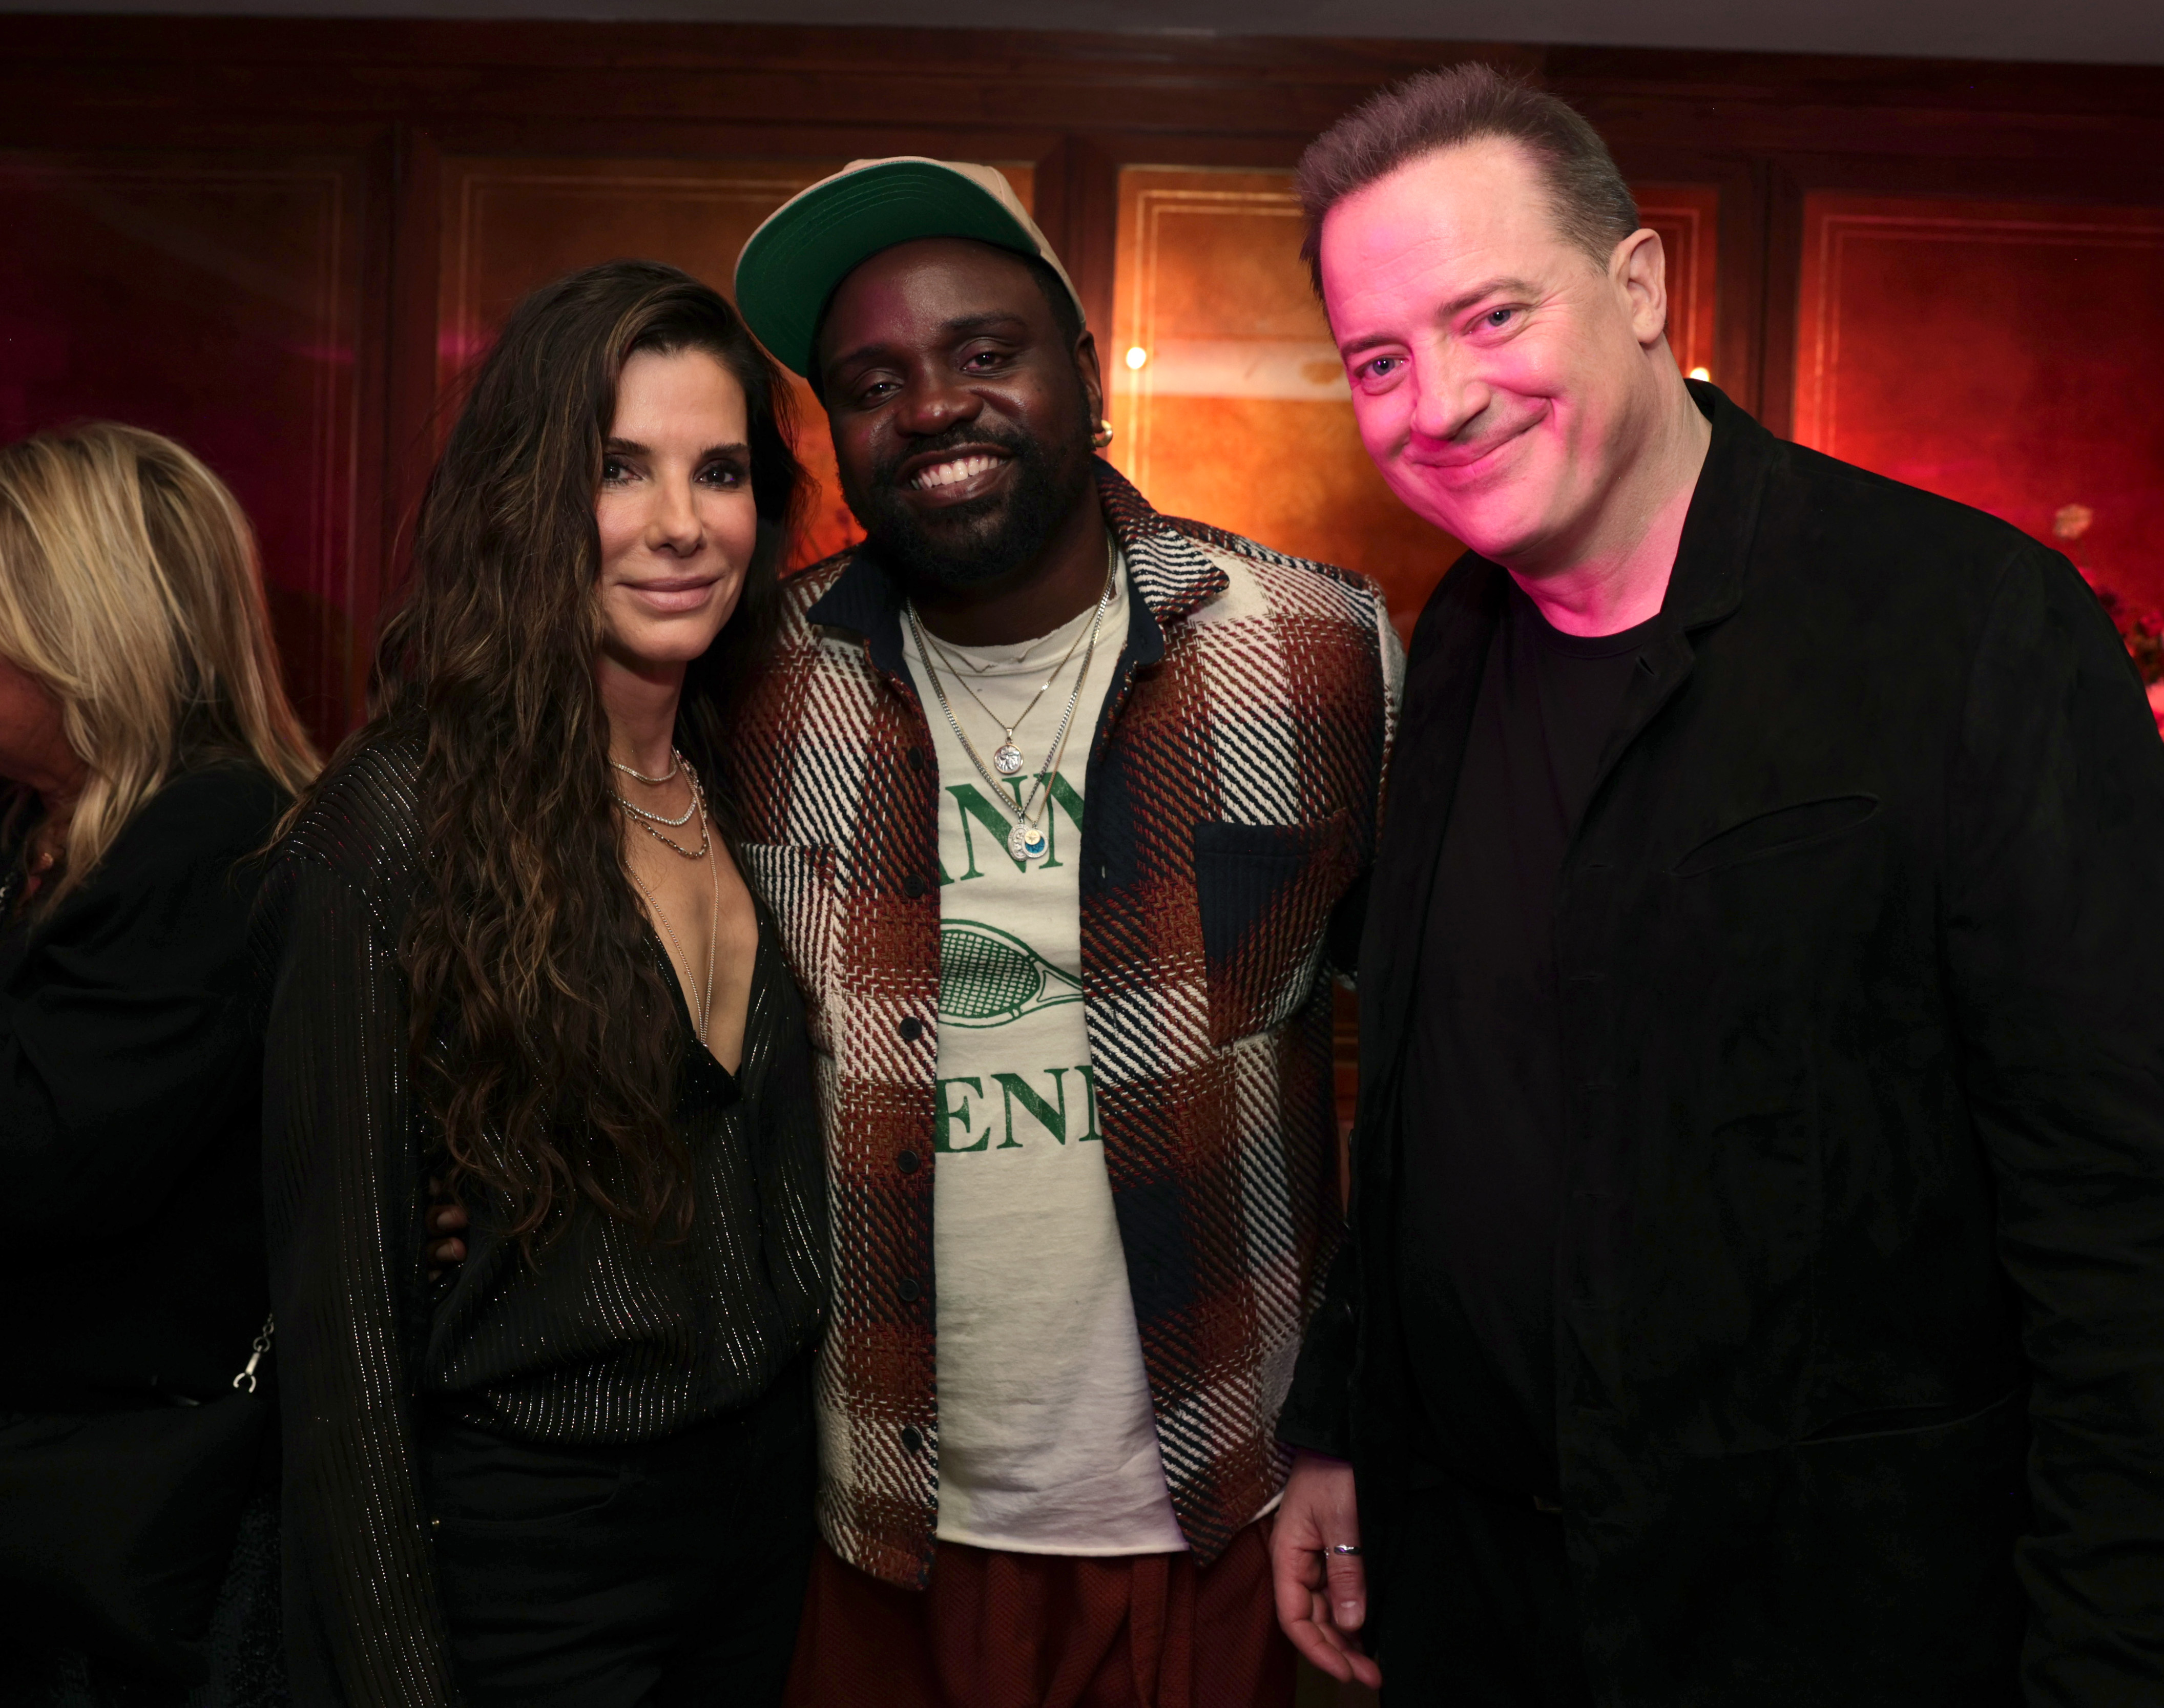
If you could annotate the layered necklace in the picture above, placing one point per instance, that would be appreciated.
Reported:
(1007, 758)
(650, 822)
(1027, 840)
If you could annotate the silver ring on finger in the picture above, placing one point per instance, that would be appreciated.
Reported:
(1342, 1547)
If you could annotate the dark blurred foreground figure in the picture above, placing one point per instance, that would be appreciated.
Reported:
(148, 749)
(512, 950)
(1756, 1293)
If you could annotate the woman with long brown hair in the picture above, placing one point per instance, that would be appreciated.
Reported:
(515, 953)
(146, 751)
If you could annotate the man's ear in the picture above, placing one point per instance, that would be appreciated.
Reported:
(1639, 268)
(1091, 376)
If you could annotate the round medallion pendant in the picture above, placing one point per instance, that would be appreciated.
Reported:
(1006, 759)
(1027, 842)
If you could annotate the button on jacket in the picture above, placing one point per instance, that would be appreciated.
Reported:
(1860, 1270)
(1233, 800)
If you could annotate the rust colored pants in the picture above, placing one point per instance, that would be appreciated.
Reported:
(1047, 1630)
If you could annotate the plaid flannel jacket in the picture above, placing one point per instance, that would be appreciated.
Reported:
(1234, 794)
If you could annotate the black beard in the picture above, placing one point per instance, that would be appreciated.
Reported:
(987, 538)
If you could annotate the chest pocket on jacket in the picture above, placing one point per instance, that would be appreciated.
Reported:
(1266, 892)
(1777, 832)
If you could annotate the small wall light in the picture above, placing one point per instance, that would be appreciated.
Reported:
(1137, 355)
(1700, 374)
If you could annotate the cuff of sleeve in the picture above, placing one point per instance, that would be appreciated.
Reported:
(1317, 1414)
(1304, 1435)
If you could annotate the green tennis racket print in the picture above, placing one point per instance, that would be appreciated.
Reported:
(989, 977)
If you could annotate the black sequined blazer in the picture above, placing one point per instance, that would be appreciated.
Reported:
(607, 1338)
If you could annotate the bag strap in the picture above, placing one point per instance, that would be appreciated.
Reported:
(245, 1381)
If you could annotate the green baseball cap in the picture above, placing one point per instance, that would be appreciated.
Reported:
(811, 243)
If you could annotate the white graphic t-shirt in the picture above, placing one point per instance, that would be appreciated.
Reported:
(1047, 1442)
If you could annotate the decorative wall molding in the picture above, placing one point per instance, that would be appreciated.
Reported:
(216, 299)
(434, 132)
(1999, 354)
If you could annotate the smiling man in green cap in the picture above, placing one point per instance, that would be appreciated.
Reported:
(1064, 807)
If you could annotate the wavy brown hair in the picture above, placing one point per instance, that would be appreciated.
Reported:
(541, 1030)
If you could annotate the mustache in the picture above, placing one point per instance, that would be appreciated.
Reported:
(963, 435)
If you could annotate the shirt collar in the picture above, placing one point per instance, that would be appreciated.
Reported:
(1707, 581)
(1168, 575)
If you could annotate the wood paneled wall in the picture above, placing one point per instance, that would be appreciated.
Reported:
(2036, 389)
(1229, 402)
(219, 297)
(281, 240)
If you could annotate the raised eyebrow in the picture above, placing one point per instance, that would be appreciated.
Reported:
(632, 448)
(1495, 287)
(1450, 311)
(1361, 346)
(862, 353)
(980, 323)
(961, 324)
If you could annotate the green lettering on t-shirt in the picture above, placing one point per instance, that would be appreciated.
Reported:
(1058, 793)
(1066, 797)
(975, 806)
(1052, 1120)
(1089, 1089)
(945, 1118)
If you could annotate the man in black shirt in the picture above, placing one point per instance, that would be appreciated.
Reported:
(1754, 1292)
(1484, 1055)
(1478, 1204)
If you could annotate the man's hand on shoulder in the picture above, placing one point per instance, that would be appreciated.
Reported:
(1321, 1589)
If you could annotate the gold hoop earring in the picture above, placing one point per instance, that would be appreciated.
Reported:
(1103, 436)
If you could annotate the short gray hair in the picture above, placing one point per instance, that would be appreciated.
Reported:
(1437, 110)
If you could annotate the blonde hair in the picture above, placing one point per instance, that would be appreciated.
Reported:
(131, 590)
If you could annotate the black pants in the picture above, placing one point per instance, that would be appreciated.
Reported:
(669, 1572)
(1478, 1610)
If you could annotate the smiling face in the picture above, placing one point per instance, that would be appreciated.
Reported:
(1504, 381)
(674, 510)
(961, 413)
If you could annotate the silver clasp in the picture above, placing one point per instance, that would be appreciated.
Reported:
(245, 1381)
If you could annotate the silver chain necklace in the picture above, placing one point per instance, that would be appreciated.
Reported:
(714, 902)
(647, 820)
(676, 764)
(675, 759)
(713, 936)
(1027, 840)
(1007, 758)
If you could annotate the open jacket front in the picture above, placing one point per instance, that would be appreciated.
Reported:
(1860, 945)
(1234, 788)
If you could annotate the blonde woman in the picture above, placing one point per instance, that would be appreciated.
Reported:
(146, 752)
